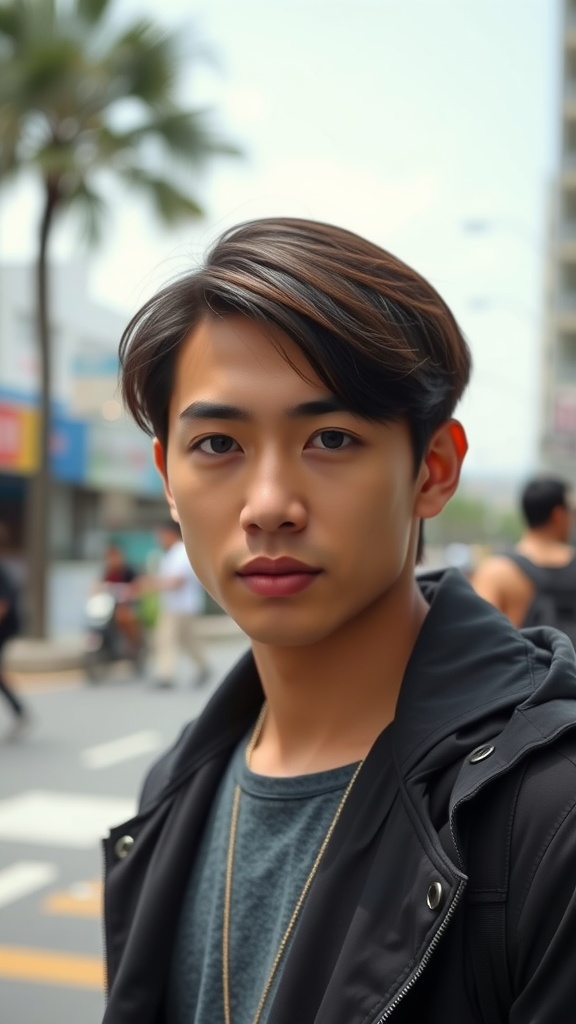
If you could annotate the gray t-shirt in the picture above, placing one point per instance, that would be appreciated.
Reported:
(281, 825)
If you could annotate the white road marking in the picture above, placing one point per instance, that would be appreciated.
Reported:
(77, 820)
(123, 749)
(23, 878)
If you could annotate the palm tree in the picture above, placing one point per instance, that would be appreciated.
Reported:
(82, 100)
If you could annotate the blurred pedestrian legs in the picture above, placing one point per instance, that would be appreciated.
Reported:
(175, 632)
(9, 627)
(181, 599)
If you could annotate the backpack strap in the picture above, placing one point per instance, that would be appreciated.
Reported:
(536, 573)
(488, 832)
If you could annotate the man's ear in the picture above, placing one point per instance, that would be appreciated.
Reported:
(159, 456)
(440, 470)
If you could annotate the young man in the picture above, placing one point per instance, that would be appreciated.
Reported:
(543, 561)
(373, 817)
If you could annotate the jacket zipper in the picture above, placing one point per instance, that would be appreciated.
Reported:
(424, 961)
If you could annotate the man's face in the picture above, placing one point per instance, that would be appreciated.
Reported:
(261, 464)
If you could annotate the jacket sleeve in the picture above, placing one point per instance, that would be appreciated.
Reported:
(542, 916)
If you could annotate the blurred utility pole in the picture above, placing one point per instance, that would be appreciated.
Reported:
(84, 101)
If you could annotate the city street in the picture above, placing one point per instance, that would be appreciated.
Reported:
(75, 773)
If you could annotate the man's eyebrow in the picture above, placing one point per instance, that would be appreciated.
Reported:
(317, 407)
(213, 411)
(220, 411)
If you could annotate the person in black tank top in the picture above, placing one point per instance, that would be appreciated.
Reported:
(535, 584)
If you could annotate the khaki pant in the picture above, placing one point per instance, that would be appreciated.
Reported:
(175, 633)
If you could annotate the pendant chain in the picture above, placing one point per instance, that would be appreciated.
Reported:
(299, 902)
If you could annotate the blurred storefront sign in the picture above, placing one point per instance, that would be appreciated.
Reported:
(95, 382)
(120, 458)
(105, 456)
(68, 449)
(18, 438)
(19, 443)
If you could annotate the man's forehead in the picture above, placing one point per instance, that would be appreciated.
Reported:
(239, 363)
(235, 336)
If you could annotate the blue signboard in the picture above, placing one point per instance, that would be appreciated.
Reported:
(68, 449)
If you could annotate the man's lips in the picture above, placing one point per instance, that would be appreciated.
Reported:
(277, 577)
(275, 567)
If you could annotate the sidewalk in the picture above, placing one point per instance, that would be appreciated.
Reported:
(58, 654)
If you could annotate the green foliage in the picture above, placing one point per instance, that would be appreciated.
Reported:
(469, 519)
(81, 100)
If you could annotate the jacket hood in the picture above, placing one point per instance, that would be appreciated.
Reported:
(472, 673)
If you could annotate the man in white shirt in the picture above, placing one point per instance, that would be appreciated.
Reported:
(181, 600)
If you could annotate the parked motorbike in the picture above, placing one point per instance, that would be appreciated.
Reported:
(106, 642)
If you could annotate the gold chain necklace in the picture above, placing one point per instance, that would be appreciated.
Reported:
(299, 902)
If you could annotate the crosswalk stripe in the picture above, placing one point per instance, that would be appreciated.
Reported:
(23, 878)
(115, 751)
(45, 966)
(76, 820)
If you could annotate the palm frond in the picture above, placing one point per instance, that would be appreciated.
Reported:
(9, 23)
(79, 97)
(170, 203)
(145, 61)
(92, 11)
(188, 134)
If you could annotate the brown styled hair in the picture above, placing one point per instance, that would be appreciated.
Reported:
(377, 334)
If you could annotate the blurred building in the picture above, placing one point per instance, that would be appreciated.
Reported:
(104, 478)
(558, 446)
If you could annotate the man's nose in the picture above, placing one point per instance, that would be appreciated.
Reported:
(274, 501)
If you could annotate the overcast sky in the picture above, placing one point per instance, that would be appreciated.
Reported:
(399, 119)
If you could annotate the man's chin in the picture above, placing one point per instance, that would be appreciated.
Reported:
(283, 634)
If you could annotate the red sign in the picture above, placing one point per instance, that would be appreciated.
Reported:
(18, 440)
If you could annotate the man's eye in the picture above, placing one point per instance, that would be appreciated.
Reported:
(331, 440)
(216, 444)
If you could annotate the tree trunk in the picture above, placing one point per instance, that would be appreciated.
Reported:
(39, 502)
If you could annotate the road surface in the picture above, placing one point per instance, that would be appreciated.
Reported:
(75, 773)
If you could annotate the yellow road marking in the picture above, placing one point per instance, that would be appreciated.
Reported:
(42, 965)
(83, 900)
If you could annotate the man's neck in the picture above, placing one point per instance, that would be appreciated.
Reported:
(328, 702)
(544, 547)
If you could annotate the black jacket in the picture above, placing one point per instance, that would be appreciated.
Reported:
(386, 928)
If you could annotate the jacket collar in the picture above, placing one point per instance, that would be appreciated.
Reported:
(468, 672)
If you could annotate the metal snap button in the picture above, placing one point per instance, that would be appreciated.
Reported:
(434, 895)
(481, 753)
(123, 847)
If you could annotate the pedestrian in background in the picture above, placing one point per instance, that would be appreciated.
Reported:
(9, 628)
(535, 584)
(121, 579)
(181, 600)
